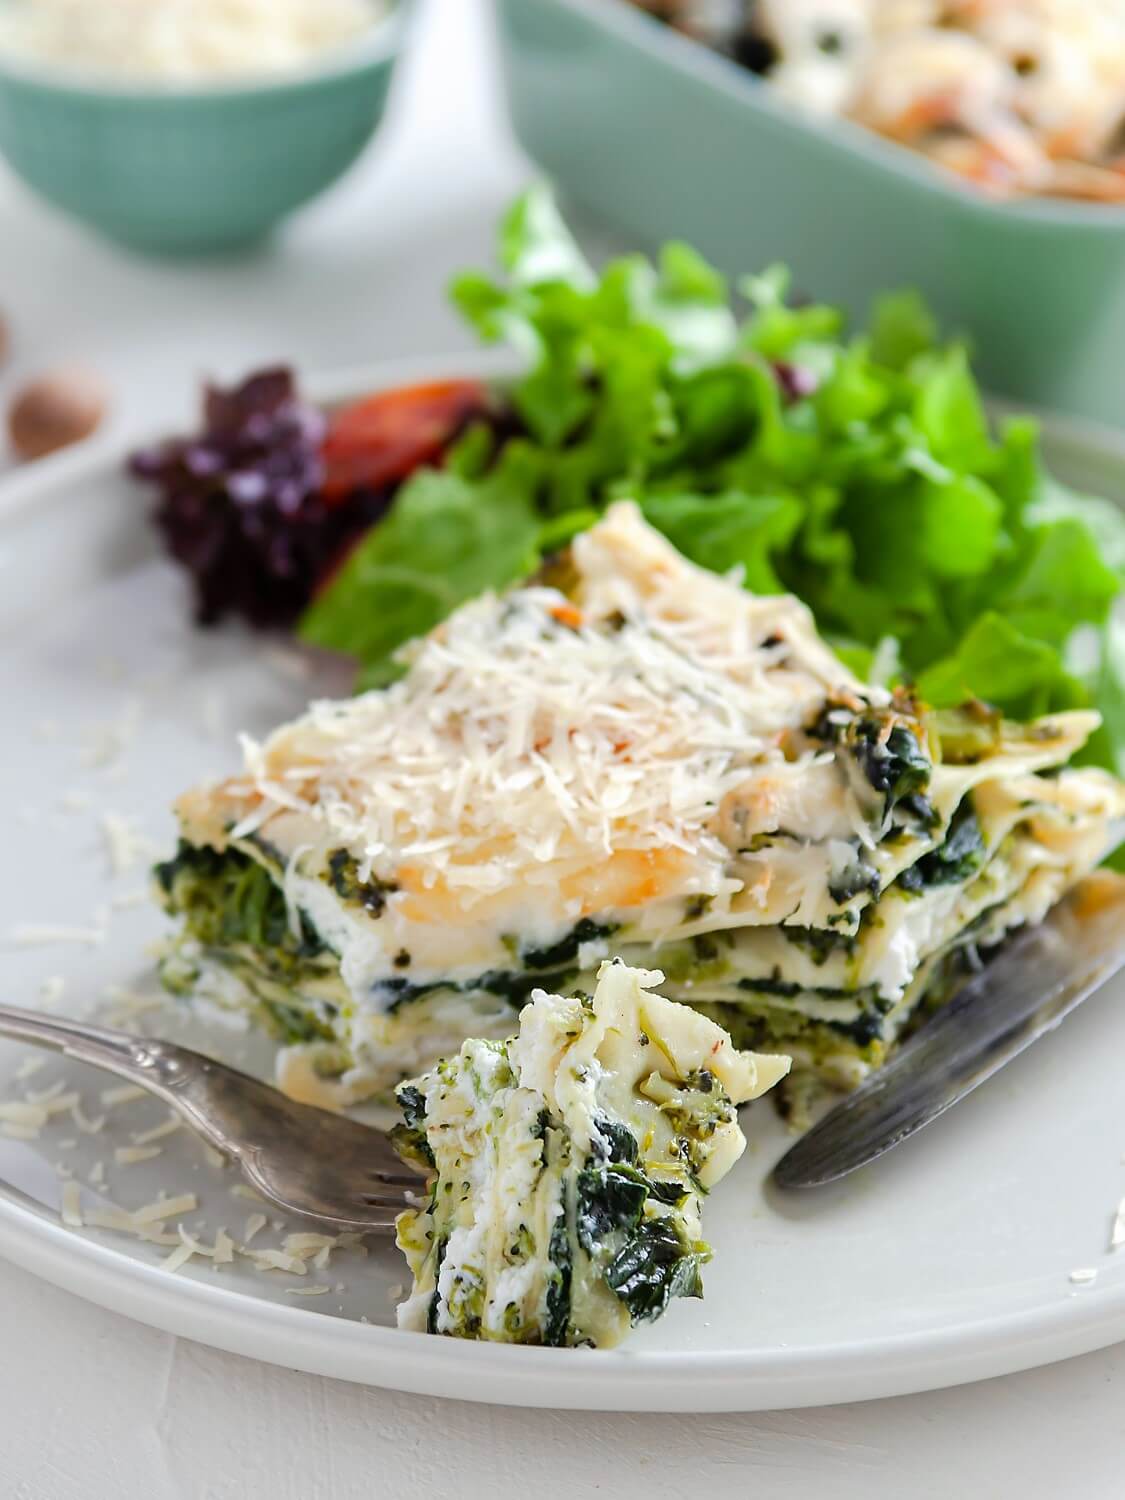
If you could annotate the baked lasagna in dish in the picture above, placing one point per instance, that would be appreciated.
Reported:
(568, 1166)
(626, 756)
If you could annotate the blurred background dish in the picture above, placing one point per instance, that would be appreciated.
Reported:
(187, 149)
(653, 131)
(1019, 97)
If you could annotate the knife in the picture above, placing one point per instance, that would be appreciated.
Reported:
(1036, 979)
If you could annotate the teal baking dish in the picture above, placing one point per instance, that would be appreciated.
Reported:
(657, 134)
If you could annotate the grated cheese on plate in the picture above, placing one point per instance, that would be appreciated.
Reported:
(277, 1260)
(241, 1190)
(254, 1225)
(20, 1112)
(70, 1200)
(52, 989)
(43, 1096)
(127, 1156)
(123, 1094)
(87, 1125)
(166, 1208)
(46, 934)
(179, 1257)
(158, 1132)
(124, 846)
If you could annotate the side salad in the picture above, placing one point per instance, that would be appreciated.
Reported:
(856, 470)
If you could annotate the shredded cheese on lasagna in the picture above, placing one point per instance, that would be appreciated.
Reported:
(543, 733)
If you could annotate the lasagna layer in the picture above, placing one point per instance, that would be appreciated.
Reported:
(628, 755)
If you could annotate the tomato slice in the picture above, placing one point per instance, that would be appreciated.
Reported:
(383, 438)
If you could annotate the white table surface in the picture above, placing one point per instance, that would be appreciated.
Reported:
(93, 1407)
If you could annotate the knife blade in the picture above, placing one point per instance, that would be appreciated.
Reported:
(1035, 980)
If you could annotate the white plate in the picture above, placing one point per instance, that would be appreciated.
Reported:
(946, 1262)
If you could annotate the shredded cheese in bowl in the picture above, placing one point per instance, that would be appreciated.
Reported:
(182, 40)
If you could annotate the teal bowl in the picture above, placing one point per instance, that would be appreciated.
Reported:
(655, 133)
(199, 168)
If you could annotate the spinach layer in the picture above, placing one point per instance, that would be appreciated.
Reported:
(228, 899)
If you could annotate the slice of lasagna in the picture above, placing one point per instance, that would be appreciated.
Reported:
(626, 755)
(568, 1166)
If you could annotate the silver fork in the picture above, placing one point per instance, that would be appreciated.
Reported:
(308, 1161)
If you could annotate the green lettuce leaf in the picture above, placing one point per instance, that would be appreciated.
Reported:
(860, 472)
(445, 540)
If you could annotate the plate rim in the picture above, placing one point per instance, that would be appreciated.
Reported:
(750, 1379)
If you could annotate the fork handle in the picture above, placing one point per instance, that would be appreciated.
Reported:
(149, 1063)
(164, 1069)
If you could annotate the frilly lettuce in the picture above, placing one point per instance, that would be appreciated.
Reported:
(860, 472)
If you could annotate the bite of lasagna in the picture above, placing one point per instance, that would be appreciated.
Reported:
(568, 1166)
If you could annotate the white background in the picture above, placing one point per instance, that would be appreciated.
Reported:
(92, 1406)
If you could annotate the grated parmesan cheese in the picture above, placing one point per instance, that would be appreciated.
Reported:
(197, 1246)
(20, 1112)
(120, 1220)
(165, 1208)
(307, 1291)
(30, 1066)
(61, 1104)
(240, 1190)
(158, 1132)
(277, 1260)
(86, 1125)
(46, 934)
(123, 1094)
(43, 1096)
(178, 1258)
(124, 845)
(308, 1244)
(128, 1156)
(254, 1225)
(52, 989)
(70, 1199)
(1083, 1276)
